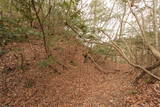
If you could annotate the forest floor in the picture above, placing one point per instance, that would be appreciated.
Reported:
(28, 81)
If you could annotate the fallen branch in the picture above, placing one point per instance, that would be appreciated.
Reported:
(120, 51)
(97, 65)
(150, 68)
(153, 66)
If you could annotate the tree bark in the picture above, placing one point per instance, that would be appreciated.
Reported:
(41, 26)
(149, 68)
(155, 23)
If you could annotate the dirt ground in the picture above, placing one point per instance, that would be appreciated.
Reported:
(71, 83)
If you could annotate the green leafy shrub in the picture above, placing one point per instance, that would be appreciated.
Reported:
(49, 61)
(11, 31)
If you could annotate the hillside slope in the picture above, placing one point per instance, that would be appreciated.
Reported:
(69, 80)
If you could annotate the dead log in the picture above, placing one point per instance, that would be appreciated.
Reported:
(149, 68)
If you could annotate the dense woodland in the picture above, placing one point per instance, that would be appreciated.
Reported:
(79, 53)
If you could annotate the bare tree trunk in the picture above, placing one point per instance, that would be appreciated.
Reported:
(155, 23)
(1, 14)
(154, 51)
(121, 52)
(10, 8)
(41, 26)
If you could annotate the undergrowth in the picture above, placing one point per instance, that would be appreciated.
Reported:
(46, 62)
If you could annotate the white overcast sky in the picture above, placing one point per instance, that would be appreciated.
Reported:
(114, 24)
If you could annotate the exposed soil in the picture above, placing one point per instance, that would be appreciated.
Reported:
(71, 83)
